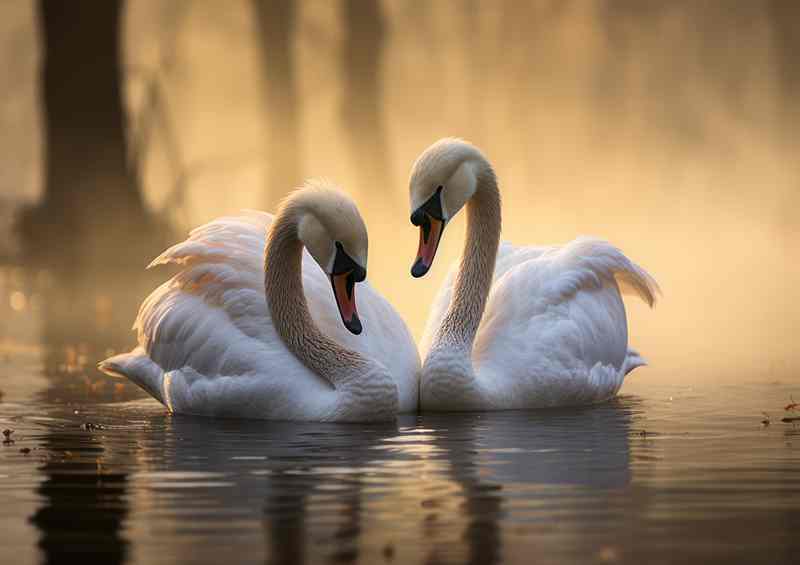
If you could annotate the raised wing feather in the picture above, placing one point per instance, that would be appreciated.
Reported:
(555, 324)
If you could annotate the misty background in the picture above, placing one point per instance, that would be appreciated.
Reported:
(668, 128)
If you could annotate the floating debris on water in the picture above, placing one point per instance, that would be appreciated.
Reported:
(90, 427)
(25, 450)
(388, 552)
(7, 435)
(608, 554)
(791, 407)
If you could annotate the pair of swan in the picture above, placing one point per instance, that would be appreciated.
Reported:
(249, 327)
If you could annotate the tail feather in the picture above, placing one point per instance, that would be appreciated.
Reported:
(226, 253)
(229, 239)
(137, 367)
(633, 360)
(600, 259)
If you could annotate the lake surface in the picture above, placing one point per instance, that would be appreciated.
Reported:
(97, 472)
(662, 474)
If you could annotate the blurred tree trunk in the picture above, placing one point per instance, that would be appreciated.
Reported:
(276, 20)
(92, 207)
(363, 98)
(785, 20)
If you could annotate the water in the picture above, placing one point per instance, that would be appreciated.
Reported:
(661, 474)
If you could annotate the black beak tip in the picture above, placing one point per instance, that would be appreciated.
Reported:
(419, 269)
(354, 325)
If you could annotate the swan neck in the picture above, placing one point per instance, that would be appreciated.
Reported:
(283, 285)
(474, 279)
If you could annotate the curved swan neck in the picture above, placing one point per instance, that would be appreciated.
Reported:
(283, 285)
(474, 279)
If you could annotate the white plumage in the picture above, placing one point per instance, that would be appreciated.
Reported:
(554, 331)
(208, 345)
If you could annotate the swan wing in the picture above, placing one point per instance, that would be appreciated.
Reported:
(207, 344)
(554, 331)
(508, 257)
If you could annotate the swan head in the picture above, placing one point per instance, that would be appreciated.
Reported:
(332, 230)
(443, 178)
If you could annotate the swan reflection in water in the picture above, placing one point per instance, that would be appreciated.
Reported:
(519, 471)
(427, 489)
(300, 484)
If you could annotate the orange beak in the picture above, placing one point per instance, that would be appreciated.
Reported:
(430, 234)
(344, 289)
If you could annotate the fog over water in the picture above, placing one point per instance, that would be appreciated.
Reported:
(668, 128)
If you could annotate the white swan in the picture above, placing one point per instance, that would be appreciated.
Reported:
(234, 334)
(515, 327)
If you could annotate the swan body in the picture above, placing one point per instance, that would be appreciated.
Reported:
(212, 342)
(516, 327)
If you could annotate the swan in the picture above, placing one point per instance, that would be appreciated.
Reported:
(515, 327)
(249, 326)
